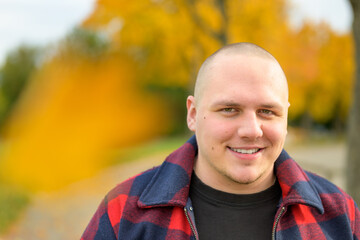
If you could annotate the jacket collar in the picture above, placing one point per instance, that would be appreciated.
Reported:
(171, 182)
(295, 184)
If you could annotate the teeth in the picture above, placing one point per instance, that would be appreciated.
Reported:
(245, 151)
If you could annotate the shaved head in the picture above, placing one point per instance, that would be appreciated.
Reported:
(236, 49)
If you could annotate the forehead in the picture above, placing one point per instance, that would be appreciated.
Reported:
(244, 75)
(246, 63)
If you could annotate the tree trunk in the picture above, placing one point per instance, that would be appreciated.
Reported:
(220, 36)
(353, 164)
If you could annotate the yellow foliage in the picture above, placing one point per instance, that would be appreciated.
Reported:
(210, 14)
(72, 115)
(175, 36)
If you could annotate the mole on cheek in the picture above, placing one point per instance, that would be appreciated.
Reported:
(212, 148)
(204, 117)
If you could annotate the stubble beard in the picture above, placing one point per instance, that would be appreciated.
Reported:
(233, 179)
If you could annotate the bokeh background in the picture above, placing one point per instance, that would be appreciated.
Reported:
(92, 86)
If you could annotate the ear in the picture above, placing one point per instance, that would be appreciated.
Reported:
(191, 113)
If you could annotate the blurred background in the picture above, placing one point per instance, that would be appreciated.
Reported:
(92, 92)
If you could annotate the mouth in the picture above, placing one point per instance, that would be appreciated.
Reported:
(245, 151)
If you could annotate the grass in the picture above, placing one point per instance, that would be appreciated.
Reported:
(12, 203)
(164, 145)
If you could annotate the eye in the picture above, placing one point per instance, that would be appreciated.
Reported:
(228, 110)
(266, 112)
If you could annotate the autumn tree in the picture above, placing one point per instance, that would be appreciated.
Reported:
(171, 38)
(82, 106)
(320, 84)
(353, 164)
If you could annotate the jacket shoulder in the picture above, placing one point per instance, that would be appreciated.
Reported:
(105, 222)
(133, 186)
(322, 185)
(332, 197)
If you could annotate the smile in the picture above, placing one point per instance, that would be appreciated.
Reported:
(245, 151)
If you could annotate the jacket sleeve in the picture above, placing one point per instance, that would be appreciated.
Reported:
(356, 228)
(99, 227)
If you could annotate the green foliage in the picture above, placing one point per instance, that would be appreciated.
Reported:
(12, 202)
(15, 74)
(175, 97)
(163, 145)
(85, 42)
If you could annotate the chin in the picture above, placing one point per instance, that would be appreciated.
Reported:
(245, 178)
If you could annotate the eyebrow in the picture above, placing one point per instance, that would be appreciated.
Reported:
(226, 103)
(234, 104)
(271, 105)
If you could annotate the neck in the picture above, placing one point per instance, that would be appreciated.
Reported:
(225, 183)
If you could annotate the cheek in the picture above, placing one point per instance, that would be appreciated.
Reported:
(212, 128)
(276, 133)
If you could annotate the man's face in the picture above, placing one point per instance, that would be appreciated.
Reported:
(240, 123)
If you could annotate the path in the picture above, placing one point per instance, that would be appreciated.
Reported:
(64, 214)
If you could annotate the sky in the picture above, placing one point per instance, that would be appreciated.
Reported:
(337, 13)
(40, 22)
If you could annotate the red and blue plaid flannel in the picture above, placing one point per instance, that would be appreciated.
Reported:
(152, 205)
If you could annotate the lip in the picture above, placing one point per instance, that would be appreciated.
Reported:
(244, 156)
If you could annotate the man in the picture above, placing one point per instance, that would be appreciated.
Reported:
(232, 180)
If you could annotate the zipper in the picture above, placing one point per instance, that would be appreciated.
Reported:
(277, 221)
(190, 222)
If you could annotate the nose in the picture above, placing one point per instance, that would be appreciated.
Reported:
(250, 127)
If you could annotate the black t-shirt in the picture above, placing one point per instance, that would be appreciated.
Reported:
(221, 215)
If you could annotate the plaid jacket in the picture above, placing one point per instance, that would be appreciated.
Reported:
(155, 204)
